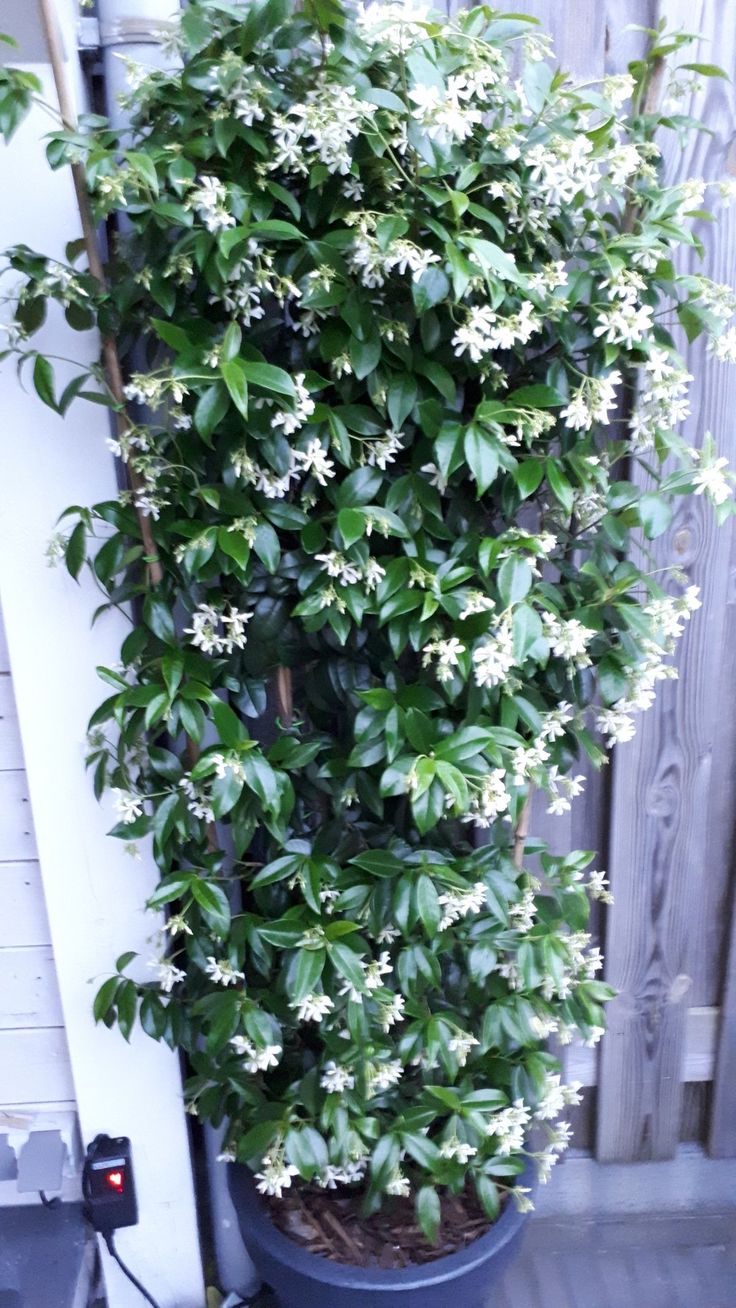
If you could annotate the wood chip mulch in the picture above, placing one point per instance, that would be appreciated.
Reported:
(330, 1223)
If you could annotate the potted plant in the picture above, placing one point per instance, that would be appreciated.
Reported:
(382, 294)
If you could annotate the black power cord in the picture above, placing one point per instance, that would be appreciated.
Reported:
(109, 1239)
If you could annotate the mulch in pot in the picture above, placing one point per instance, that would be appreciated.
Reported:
(330, 1223)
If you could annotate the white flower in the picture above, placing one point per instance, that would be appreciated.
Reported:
(447, 653)
(490, 800)
(623, 323)
(382, 1076)
(724, 346)
(335, 1079)
(313, 1007)
(256, 1058)
(485, 331)
(391, 1011)
(209, 199)
(290, 420)
(616, 724)
(336, 565)
(457, 904)
(315, 461)
(222, 971)
(460, 1150)
(710, 478)
(127, 805)
(521, 915)
(168, 975)
(597, 887)
(508, 1126)
(198, 801)
(494, 658)
(275, 1176)
(205, 629)
(460, 1045)
(398, 1184)
(568, 638)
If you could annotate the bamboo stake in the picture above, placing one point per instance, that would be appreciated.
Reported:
(110, 357)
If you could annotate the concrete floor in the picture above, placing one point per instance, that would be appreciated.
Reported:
(629, 1262)
(680, 1262)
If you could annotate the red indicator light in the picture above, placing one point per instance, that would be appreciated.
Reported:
(115, 1181)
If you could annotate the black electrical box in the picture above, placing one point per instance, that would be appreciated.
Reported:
(109, 1188)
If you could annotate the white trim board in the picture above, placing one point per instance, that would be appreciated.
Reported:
(94, 892)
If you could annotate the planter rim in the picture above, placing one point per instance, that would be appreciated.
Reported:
(319, 1268)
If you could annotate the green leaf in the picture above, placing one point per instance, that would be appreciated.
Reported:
(234, 377)
(514, 580)
(348, 964)
(234, 545)
(158, 616)
(428, 905)
(266, 546)
(214, 904)
(527, 476)
(76, 550)
(43, 380)
(429, 1213)
(307, 972)
(229, 727)
(481, 453)
(379, 862)
(493, 259)
(402, 394)
(559, 485)
(351, 523)
(210, 410)
(267, 377)
(534, 397)
(655, 514)
(488, 1195)
(104, 998)
(431, 288)
(526, 627)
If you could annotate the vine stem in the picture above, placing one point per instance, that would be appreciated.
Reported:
(110, 356)
(521, 831)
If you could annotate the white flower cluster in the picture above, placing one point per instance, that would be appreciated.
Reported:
(447, 652)
(591, 402)
(167, 974)
(710, 477)
(457, 904)
(216, 631)
(275, 1175)
(256, 1058)
(568, 639)
(349, 573)
(564, 168)
(128, 806)
(209, 201)
(320, 130)
(662, 399)
(373, 265)
(494, 657)
(668, 614)
(490, 800)
(484, 330)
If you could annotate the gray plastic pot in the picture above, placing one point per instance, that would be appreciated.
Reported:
(304, 1280)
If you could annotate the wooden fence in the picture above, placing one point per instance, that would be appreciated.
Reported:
(662, 815)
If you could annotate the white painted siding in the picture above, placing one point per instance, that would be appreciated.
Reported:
(36, 1087)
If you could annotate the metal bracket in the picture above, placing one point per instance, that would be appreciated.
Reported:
(92, 34)
(135, 31)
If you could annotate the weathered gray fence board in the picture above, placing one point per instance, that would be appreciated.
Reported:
(722, 1138)
(673, 793)
(663, 815)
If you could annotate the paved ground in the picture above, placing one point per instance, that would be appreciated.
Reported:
(679, 1262)
(634, 1263)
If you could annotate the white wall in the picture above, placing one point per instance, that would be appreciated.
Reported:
(94, 891)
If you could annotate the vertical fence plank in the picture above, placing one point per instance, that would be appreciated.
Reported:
(673, 790)
(722, 1135)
